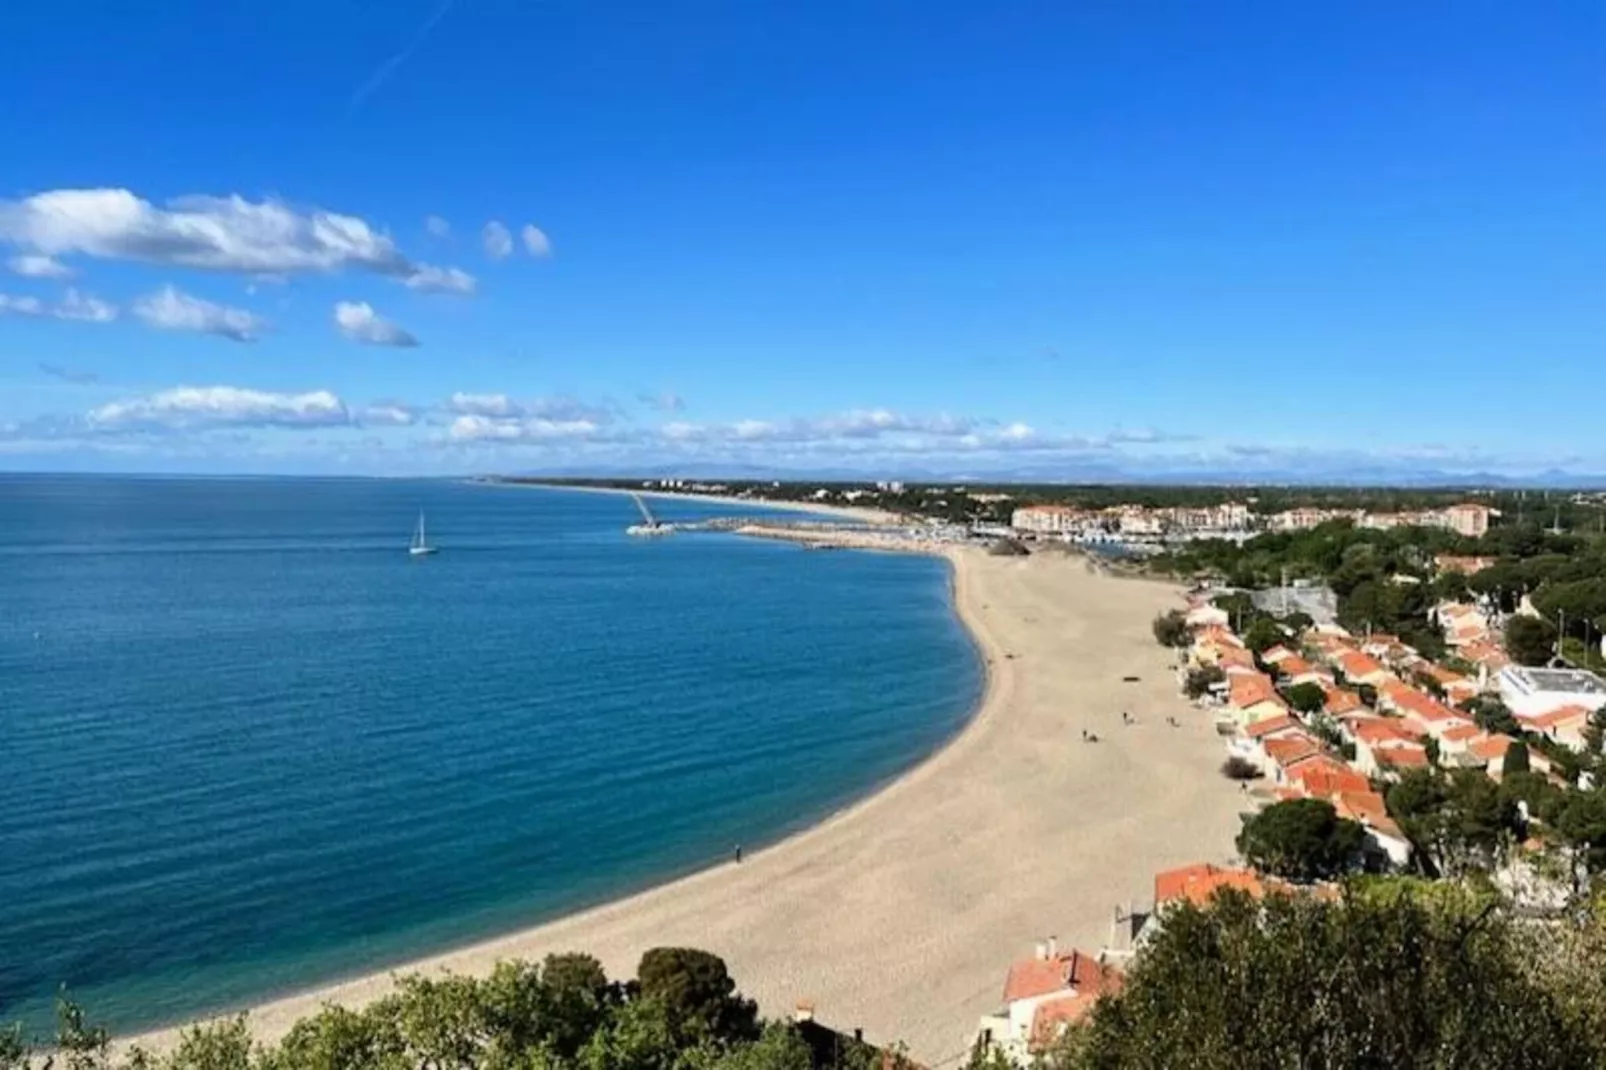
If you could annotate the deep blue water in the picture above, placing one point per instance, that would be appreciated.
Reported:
(249, 745)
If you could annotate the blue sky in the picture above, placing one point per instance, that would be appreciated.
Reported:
(1036, 238)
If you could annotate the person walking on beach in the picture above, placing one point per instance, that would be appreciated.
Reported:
(738, 854)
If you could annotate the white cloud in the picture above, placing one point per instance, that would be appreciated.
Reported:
(535, 241)
(72, 306)
(209, 233)
(21, 306)
(197, 407)
(494, 405)
(437, 227)
(530, 429)
(358, 321)
(681, 431)
(170, 309)
(559, 409)
(37, 266)
(438, 280)
(386, 414)
(85, 307)
(497, 240)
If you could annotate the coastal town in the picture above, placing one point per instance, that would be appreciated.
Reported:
(1452, 764)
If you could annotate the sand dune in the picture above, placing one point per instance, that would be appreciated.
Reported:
(901, 914)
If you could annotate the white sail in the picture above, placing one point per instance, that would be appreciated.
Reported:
(420, 545)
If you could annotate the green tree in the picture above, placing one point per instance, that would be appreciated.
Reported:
(79, 1045)
(1202, 679)
(1369, 983)
(1307, 697)
(1529, 640)
(698, 995)
(638, 1036)
(1479, 820)
(221, 1045)
(1580, 820)
(1536, 790)
(779, 1047)
(1516, 760)
(1301, 840)
(15, 1053)
(1263, 634)
(1491, 714)
(340, 1039)
(1171, 629)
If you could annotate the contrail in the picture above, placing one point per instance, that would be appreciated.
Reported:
(383, 72)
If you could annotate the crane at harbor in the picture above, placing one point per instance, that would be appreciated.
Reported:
(650, 525)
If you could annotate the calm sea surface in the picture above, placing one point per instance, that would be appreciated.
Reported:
(247, 744)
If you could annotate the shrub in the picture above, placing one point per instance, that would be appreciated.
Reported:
(1236, 768)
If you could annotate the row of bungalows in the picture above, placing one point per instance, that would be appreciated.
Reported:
(1393, 738)
(1300, 765)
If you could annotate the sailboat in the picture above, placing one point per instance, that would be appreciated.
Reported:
(420, 547)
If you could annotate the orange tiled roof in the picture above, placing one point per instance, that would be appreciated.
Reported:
(1425, 706)
(1199, 882)
(1324, 777)
(1443, 675)
(1491, 748)
(1251, 689)
(1461, 732)
(1286, 750)
(1360, 804)
(1404, 756)
(1375, 730)
(1559, 716)
(1357, 665)
(1294, 665)
(1053, 1015)
(1271, 726)
(1033, 977)
(1237, 656)
(1340, 701)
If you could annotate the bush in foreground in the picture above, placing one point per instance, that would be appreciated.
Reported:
(683, 1013)
(1373, 982)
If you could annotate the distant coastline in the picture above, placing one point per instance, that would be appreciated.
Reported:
(868, 516)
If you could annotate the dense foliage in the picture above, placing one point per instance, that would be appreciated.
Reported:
(1374, 982)
(1386, 581)
(1171, 629)
(683, 1013)
(1301, 840)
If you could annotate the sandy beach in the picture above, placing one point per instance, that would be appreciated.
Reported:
(901, 914)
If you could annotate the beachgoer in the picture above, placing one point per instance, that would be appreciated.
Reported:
(738, 854)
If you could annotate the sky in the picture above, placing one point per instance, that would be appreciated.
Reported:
(1041, 240)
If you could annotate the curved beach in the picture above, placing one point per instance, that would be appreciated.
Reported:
(900, 914)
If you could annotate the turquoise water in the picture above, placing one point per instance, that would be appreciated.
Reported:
(249, 745)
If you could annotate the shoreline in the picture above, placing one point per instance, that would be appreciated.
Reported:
(749, 912)
(846, 512)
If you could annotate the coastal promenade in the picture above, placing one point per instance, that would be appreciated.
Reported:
(901, 913)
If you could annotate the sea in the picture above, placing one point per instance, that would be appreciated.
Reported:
(249, 745)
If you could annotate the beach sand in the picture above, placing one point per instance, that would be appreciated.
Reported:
(901, 914)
